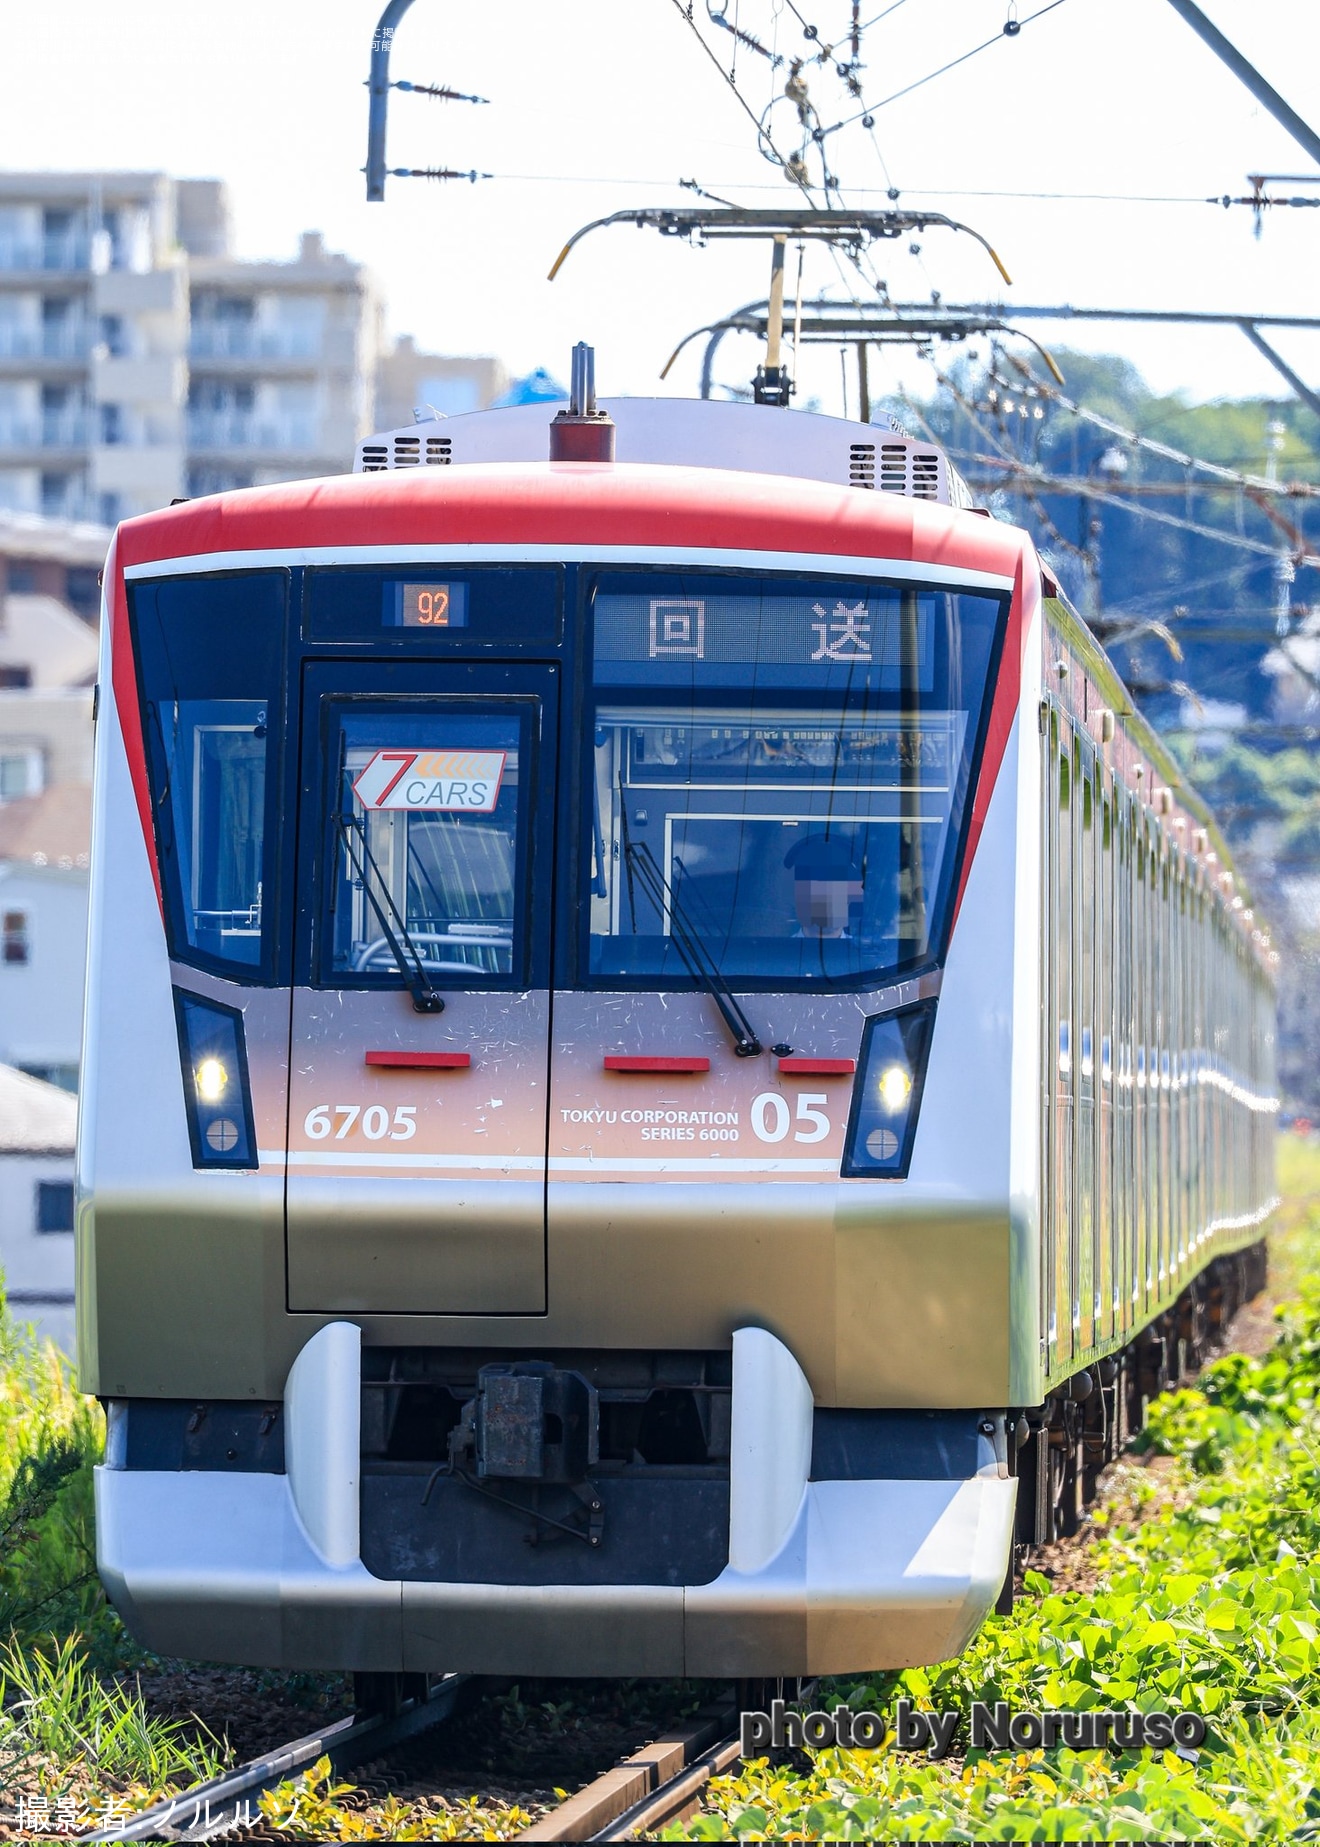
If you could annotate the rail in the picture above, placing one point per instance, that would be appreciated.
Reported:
(656, 1785)
(226, 1802)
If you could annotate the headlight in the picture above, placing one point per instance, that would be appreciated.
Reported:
(215, 1084)
(888, 1093)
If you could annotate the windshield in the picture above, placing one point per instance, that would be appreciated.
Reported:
(426, 842)
(780, 770)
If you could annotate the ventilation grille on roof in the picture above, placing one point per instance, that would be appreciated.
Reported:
(926, 474)
(896, 468)
(407, 451)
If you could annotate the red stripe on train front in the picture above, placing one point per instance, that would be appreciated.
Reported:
(1022, 615)
(123, 679)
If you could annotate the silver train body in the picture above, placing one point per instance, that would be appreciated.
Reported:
(651, 1029)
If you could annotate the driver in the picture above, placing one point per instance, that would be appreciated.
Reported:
(825, 884)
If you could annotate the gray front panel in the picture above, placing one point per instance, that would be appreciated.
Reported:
(426, 1192)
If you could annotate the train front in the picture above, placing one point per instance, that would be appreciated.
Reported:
(557, 1157)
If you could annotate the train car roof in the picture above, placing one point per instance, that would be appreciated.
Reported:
(627, 504)
(757, 439)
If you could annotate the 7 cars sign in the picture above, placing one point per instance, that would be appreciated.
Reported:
(461, 781)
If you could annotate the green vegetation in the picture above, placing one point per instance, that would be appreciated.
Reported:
(311, 1808)
(64, 1713)
(1208, 1601)
(70, 1724)
(50, 1437)
(1247, 788)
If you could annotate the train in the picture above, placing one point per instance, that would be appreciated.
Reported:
(668, 1059)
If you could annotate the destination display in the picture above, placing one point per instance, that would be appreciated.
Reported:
(892, 631)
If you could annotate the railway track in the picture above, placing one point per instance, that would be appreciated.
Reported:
(225, 1803)
(659, 1783)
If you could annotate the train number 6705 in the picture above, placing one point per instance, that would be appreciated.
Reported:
(376, 1123)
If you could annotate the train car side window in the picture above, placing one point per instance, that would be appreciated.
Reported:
(210, 657)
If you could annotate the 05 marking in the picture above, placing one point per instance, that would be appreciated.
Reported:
(318, 1124)
(771, 1120)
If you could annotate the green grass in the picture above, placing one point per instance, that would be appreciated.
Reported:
(1211, 1603)
(1295, 1231)
(50, 1439)
(70, 1720)
(61, 1712)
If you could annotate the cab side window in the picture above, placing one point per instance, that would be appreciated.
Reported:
(210, 660)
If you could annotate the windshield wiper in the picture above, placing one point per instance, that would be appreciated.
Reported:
(700, 964)
(402, 947)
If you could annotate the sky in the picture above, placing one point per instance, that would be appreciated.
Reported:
(598, 105)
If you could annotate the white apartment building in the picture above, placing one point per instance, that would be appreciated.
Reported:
(141, 361)
(37, 1127)
(43, 940)
(409, 381)
(281, 367)
(48, 661)
(93, 323)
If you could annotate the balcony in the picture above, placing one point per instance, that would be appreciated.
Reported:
(61, 497)
(236, 429)
(75, 504)
(49, 430)
(68, 251)
(72, 343)
(242, 340)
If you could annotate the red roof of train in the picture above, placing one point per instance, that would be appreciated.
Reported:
(565, 503)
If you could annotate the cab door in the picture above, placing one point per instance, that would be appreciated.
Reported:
(416, 1177)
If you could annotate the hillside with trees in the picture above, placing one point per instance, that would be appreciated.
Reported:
(1180, 532)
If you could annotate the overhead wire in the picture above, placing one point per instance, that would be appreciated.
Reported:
(1042, 479)
(1256, 488)
(879, 16)
(685, 14)
(907, 90)
(889, 192)
(1085, 198)
(1022, 472)
(1125, 625)
(973, 416)
(1128, 624)
(1216, 470)
(1027, 479)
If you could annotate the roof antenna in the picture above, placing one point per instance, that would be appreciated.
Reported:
(582, 433)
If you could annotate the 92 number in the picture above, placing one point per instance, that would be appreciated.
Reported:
(433, 607)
